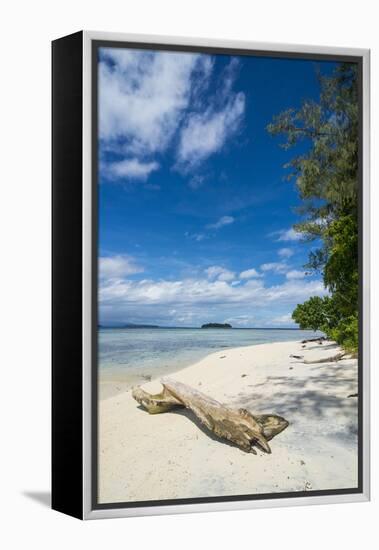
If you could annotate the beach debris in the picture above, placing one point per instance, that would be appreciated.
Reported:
(157, 403)
(243, 375)
(297, 356)
(236, 425)
(222, 356)
(332, 359)
(320, 339)
(353, 395)
(308, 486)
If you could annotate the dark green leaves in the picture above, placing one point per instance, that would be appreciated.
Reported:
(327, 180)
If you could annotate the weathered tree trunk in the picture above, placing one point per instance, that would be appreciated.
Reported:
(331, 359)
(320, 339)
(236, 425)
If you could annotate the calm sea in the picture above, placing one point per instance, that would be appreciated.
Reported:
(152, 352)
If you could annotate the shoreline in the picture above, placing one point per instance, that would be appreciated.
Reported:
(118, 380)
(144, 457)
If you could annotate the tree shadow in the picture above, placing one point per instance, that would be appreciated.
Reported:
(323, 347)
(319, 393)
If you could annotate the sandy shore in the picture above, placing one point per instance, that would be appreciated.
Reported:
(166, 456)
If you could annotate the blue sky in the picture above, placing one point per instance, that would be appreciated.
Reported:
(195, 217)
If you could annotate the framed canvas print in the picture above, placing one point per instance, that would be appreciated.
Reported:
(210, 275)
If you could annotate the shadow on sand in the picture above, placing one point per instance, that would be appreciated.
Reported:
(321, 397)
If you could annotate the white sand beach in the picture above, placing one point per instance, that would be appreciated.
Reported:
(168, 456)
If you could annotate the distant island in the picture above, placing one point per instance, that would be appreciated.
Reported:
(216, 325)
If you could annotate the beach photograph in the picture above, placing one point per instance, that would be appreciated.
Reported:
(228, 276)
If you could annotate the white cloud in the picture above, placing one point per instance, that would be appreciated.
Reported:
(196, 182)
(219, 273)
(117, 267)
(296, 274)
(216, 295)
(142, 95)
(287, 235)
(144, 101)
(131, 169)
(226, 276)
(196, 236)
(240, 320)
(277, 267)
(205, 133)
(249, 274)
(203, 293)
(229, 75)
(225, 220)
(199, 237)
(285, 252)
(283, 320)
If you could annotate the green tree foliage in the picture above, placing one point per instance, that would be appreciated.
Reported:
(326, 175)
(313, 314)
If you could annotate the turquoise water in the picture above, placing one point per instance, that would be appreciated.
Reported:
(154, 351)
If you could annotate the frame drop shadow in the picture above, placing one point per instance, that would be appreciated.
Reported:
(41, 497)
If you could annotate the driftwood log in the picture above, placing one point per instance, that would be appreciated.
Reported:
(332, 359)
(236, 425)
(320, 339)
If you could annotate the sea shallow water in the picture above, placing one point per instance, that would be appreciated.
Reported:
(151, 352)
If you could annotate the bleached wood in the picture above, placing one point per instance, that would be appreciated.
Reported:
(236, 425)
(331, 359)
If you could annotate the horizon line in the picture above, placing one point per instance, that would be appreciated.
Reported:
(149, 325)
